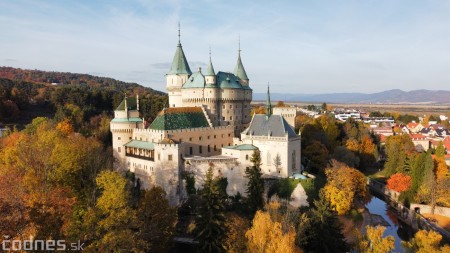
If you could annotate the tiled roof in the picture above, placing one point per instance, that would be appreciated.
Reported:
(140, 144)
(273, 125)
(242, 147)
(411, 125)
(417, 136)
(196, 80)
(180, 118)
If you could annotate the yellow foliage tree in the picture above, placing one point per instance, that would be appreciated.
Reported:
(352, 145)
(374, 242)
(266, 236)
(426, 242)
(343, 185)
(440, 168)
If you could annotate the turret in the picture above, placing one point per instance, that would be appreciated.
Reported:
(210, 75)
(178, 74)
(126, 118)
(239, 70)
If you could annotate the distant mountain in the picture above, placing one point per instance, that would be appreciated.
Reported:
(394, 96)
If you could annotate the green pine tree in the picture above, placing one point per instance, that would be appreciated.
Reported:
(440, 150)
(321, 231)
(210, 223)
(255, 185)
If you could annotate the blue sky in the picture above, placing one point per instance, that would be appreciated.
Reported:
(298, 46)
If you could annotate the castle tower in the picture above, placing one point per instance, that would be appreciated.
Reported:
(126, 118)
(210, 75)
(239, 70)
(178, 74)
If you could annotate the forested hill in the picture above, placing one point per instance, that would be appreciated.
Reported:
(26, 94)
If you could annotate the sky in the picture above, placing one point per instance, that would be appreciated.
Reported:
(313, 46)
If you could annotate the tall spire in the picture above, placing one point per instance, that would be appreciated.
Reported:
(239, 70)
(268, 104)
(179, 34)
(179, 64)
(210, 68)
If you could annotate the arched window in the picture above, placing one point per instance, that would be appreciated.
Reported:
(246, 157)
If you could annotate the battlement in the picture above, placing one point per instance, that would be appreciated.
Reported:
(188, 130)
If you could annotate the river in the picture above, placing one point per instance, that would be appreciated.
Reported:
(399, 230)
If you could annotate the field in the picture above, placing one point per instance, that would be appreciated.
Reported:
(415, 109)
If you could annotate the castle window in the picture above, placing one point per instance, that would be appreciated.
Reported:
(118, 138)
(246, 157)
(190, 150)
(229, 135)
(223, 106)
(190, 139)
(200, 149)
(215, 136)
(209, 148)
(118, 149)
(199, 138)
(231, 106)
(170, 158)
(208, 137)
(231, 117)
(215, 148)
(223, 118)
(130, 138)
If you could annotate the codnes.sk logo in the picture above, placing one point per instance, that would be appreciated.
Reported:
(11, 245)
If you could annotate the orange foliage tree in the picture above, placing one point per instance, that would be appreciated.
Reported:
(399, 182)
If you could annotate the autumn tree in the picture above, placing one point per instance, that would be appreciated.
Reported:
(255, 185)
(116, 222)
(266, 235)
(157, 220)
(343, 155)
(425, 242)
(65, 127)
(317, 156)
(344, 184)
(434, 190)
(440, 168)
(236, 241)
(210, 222)
(374, 242)
(280, 104)
(352, 145)
(399, 182)
(367, 152)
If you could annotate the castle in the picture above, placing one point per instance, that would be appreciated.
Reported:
(207, 124)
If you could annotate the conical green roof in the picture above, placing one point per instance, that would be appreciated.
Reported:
(210, 69)
(179, 63)
(239, 70)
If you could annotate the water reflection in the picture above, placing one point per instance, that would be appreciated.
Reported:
(399, 230)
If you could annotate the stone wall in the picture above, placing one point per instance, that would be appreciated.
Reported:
(444, 211)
